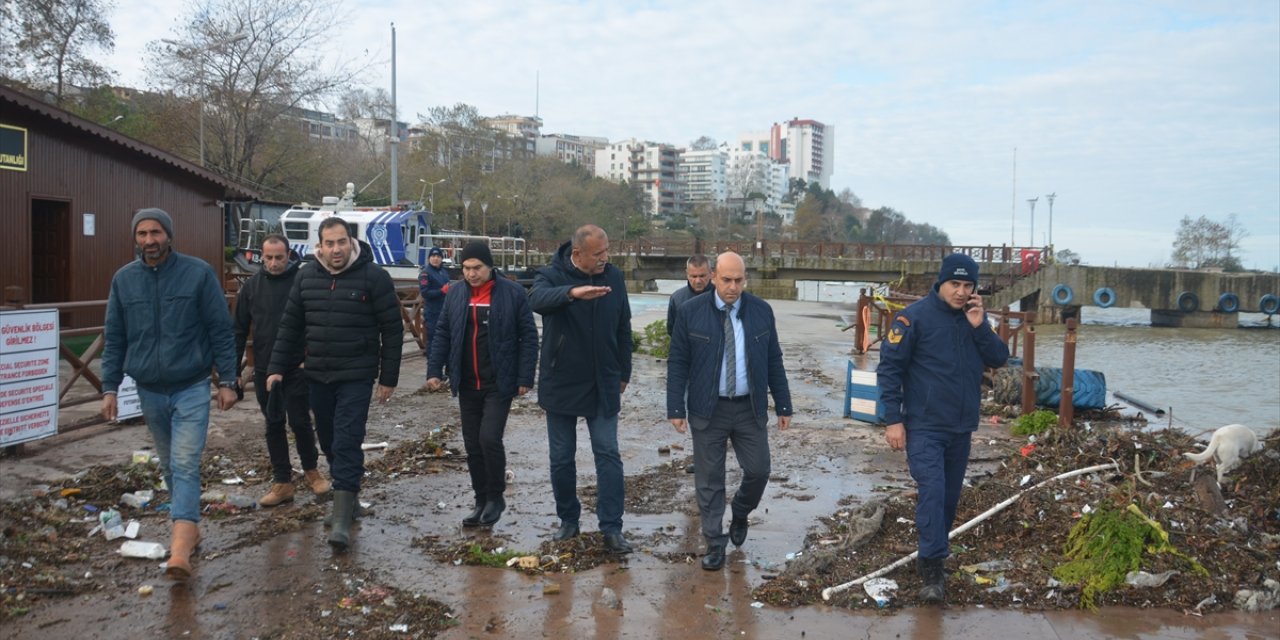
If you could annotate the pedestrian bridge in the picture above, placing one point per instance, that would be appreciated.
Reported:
(1176, 297)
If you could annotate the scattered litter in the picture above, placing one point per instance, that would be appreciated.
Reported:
(608, 599)
(233, 480)
(137, 499)
(369, 446)
(139, 549)
(757, 605)
(1144, 579)
(141, 457)
(399, 628)
(1025, 480)
(66, 493)
(988, 566)
(146, 590)
(881, 590)
(550, 588)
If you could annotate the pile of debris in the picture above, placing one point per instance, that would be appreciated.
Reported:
(1223, 543)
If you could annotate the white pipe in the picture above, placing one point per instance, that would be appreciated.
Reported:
(830, 591)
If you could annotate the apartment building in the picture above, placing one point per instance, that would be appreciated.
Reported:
(651, 166)
(704, 175)
(570, 149)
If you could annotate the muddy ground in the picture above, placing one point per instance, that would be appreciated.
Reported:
(414, 572)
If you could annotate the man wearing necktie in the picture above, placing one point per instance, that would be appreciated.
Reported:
(724, 363)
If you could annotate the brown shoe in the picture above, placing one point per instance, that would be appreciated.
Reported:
(318, 484)
(279, 493)
(185, 537)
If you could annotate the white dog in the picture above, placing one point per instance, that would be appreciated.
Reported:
(1228, 447)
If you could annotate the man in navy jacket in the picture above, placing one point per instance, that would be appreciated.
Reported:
(487, 342)
(586, 365)
(167, 327)
(727, 394)
(930, 383)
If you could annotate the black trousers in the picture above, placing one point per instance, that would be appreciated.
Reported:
(484, 421)
(297, 413)
(732, 421)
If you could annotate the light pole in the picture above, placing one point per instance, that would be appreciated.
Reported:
(466, 215)
(191, 52)
(512, 198)
(484, 218)
(426, 184)
(1031, 240)
(1050, 198)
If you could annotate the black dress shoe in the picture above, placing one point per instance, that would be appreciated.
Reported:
(738, 531)
(615, 543)
(714, 559)
(473, 519)
(492, 511)
(567, 530)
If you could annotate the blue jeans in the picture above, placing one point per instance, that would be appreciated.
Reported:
(179, 423)
(937, 460)
(562, 438)
(342, 409)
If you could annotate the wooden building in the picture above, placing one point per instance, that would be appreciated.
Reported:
(68, 191)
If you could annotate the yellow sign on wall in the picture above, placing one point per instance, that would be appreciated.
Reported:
(13, 148)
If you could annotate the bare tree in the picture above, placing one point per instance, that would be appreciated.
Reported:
(1204, 243)
(250, 66)
(703, 143)
(53, 43)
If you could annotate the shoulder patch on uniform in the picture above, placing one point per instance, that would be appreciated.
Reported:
(895, 335)
(903, 319)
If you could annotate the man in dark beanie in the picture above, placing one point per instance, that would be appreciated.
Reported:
(168, 327)
(930, 382)
(487, 344)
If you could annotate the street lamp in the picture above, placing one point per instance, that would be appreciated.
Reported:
(192, 52)
(1031, 242)
(1050, 198)
(512, 198)
(484, 218)
(425, 184)
(466, 215)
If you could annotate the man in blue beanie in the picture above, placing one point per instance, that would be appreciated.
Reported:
(930, 382)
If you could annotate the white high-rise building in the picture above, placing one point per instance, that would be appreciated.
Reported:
(703, 173)
(810, 150)
(807, 146)
(651, 166)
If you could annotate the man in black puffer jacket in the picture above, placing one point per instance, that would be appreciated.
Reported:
(259, 306)
(343, 315)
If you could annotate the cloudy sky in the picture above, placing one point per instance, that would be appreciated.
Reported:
(1135, 114)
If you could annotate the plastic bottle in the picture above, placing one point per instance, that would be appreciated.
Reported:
(140, 549)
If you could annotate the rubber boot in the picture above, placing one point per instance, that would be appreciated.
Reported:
(344, 506)
(934, 589)
(185, 536)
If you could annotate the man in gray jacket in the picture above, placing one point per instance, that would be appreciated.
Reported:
(167, 326)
